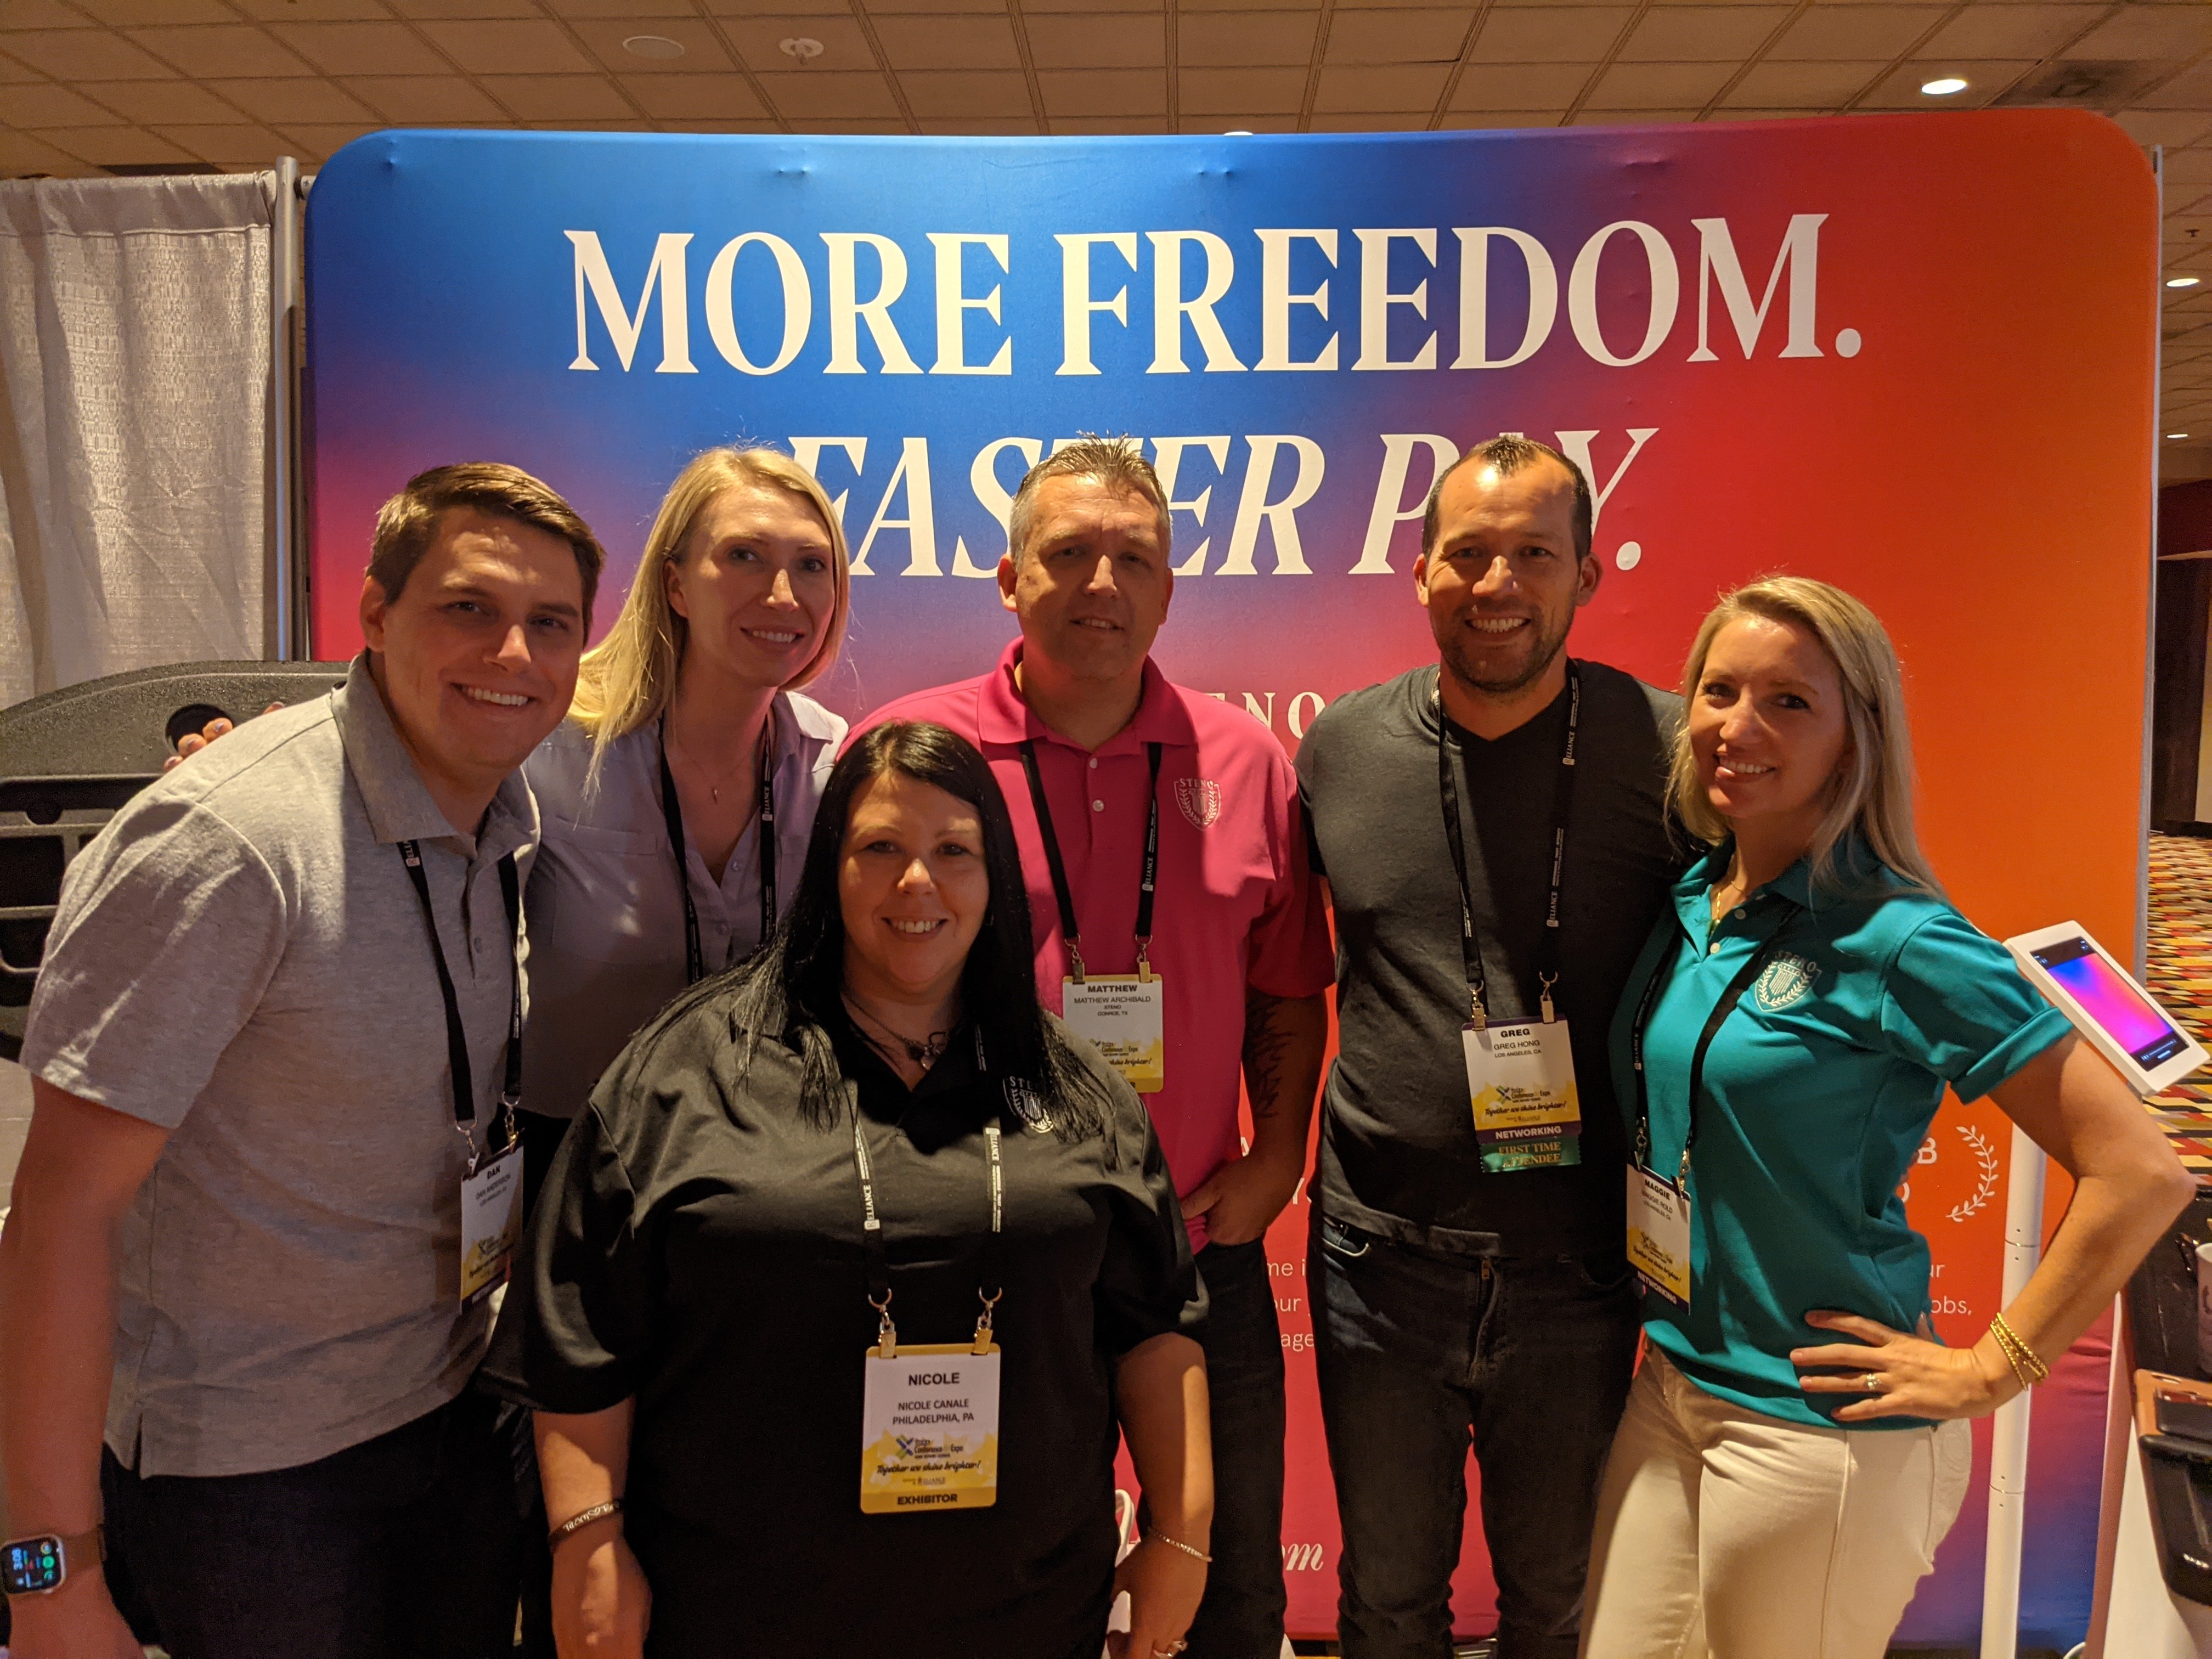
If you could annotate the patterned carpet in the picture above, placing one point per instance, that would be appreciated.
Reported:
(2181, 978)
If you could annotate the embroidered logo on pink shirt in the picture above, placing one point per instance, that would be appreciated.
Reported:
(1201, 800)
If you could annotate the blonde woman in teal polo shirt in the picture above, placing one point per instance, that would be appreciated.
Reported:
(1795, 1447)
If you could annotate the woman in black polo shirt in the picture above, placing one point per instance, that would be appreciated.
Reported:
(869, 1138)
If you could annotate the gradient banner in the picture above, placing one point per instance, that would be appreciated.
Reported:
(1912, 355)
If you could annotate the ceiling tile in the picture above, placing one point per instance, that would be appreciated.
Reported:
(232, 143)
(227, 48)
(1242, 121)
(1348, 121)
(160, 102)
(1104, 92)
(41, 15)
(1233, 39)
(1519, 85)
(890, 124)
(696, 97)
(311, 99)
(1759, 114)
(819, 93)
(2191, 89)
(730, 8)
(560, 97)
(641, 10)
(1660, 86)
(13, 73)
(504, 46)
(954, 42)
(423, 99)
(2192, 167)
(1984, 81)
(1855, 32)
(1233, 91)
(1369, 91)
(953, 94)
(362, 48)
(1632, 117)
(2139, 34)
(1492, 120)
(1684, 34)
(1548, 34)
(1077, 125)
(1079, 40)
(45, 105)
(427, 9)
(2164, 127)
(844, 45)
(2000, 30)
(21, 154)
(1024, 126)
(116, 146)
(703, 47)
(322, 140)
(1188, 8)
(1802, 86)
(1399, 36)
(589, 124)
(762, 125)
(1032, 8)
(127, 14)
(85, 55)
(312, 11)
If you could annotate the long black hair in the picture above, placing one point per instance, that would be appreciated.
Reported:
(795, 987)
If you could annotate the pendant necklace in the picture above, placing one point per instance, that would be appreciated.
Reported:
(715, 788)
(924, 1052)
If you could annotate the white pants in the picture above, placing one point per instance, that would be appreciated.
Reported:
(1723, 1533)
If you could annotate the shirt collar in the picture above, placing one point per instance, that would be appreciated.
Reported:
(398, 803)
(1003, 717)
(1853, 862)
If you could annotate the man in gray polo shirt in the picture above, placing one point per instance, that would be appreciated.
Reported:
(238, 1219)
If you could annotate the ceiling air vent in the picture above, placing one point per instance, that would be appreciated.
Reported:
(2087, 83)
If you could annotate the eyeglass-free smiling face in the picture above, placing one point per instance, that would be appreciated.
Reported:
(1767, 725)
(912, 888)
(1092, 586)
(755, 583)
(1501, 582)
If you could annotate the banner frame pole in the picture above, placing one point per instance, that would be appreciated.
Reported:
(2008, 1439)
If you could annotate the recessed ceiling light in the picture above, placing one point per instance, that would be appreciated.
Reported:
(1943, 87)
(652, 45)
(2177, 434)
(805, 47)
(2182, 282)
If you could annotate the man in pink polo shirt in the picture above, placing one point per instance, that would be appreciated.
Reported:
(1223, 970)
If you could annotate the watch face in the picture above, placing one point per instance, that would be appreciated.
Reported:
(29, 1565)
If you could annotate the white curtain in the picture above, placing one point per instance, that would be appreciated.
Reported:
(134, 382)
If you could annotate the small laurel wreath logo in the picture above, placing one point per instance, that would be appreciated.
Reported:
(1986, 1185)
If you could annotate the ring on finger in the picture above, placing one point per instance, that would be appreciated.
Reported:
(1871, 1383)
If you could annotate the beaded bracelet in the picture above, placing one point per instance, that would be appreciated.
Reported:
(2026, 1366)
(1158, 1536)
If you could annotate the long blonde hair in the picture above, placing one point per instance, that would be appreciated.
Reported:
(1872, 797)
(627, 679)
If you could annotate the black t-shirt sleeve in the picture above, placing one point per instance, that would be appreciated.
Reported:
(575, 1332)
(1147, 1285)
(1307, 765)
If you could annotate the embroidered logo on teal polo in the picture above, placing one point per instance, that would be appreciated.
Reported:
(1787, 979)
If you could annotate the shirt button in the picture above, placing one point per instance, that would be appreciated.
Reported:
(1097, 805)
(1740, 911)
(1094, 762)
(1714, 947)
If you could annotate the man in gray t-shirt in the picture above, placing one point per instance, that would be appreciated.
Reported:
(238, 1217)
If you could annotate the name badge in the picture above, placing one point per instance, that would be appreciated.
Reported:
(929, 1430)
(1659, 1234)
(491, 1222)
(1521, 1078)
(1125, 1017)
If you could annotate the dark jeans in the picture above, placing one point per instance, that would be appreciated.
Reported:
(1418, 1351)
(402, 1545)
(1242, 1616)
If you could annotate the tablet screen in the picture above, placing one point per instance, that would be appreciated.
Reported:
(2110, 998)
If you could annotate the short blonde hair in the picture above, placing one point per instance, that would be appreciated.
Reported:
(1117, 463)
(1873, 796)
(626, 681)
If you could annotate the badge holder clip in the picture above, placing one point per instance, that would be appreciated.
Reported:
(984, 1320)
(886, 1332)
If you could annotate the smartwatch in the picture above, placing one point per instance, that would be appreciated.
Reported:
(43, 1562)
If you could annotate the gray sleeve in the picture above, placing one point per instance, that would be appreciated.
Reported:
(169, 927)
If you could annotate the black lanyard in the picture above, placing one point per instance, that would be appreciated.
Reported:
(1563, 800)
(1146, 882)
(1729, 996)
(695, 957)
(992, 1285)
(457, 1036)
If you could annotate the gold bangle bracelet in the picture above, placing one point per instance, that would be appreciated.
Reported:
(2023, 1359)
(1158, 1536)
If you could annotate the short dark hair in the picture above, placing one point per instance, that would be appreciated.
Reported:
(1506, 455)
(408, 523)
(795, 987)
